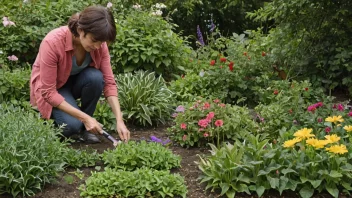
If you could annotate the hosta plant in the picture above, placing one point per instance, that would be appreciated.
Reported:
(145, 99)
(205, 121)
(140, 183)
(133, 155)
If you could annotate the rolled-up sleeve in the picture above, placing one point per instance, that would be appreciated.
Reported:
(48, 72)
(110, 88)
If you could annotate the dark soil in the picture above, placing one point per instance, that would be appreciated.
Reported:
(189, 170)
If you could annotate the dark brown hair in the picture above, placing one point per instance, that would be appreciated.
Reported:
(96, 20)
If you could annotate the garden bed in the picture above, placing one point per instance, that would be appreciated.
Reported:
(189, 171)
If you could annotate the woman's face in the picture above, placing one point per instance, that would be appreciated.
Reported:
(88, 42)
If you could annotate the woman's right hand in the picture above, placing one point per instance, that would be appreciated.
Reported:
(92, 125)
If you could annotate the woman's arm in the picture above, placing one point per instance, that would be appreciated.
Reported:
(121, 128)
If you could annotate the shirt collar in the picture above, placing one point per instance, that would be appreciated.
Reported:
(68, 44)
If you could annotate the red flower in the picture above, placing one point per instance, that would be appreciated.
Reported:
(203, 123)
(263, 54)
(219, 123)
(231, 66)
(306, 88)
(212, 62)
(327, 129)
(210, 115)
(183, 126)
(245, 53)
(205, 134)
(276, 92)
(223, 59)
(206, 105)
(184, 137)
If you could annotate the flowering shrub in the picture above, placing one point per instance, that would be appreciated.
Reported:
(210, 121)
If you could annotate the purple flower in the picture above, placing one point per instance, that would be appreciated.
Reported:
(200, 36)
(174, 115)
(180, 109)
(212, 26)
(157, 140)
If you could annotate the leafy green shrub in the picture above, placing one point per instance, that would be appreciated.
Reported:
(31, 155)
(134, 155)
(147, 42)
(14, 85)
(33, 20)
(144, 98)
(218, 78)
(139, 183)
(208, 121)
(79, 158)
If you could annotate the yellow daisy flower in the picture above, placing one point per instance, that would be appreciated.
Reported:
(291, 143)
(304, 133)
(332, 138)
(338, 149)
(334, 119)
(348, 128)
(317, 143)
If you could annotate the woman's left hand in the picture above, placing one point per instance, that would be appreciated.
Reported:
(122, 130)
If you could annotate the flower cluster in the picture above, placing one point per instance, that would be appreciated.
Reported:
(136, 6)
(12, 58)
(305, 135)
(313, 107)
(223, 60)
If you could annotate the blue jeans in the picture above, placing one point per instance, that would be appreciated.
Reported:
(87, 85)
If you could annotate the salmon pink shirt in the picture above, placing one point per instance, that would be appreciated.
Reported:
(52, 68)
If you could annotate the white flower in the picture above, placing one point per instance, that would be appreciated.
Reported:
(109, 5)
(25, 1)
(158, 12)
(201, 73)
(160, 5)
(1, 52)
(137, 6)
(7, 22)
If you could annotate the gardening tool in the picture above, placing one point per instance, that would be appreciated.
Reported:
(114, 141)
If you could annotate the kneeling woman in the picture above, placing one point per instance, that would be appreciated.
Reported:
(74, 62)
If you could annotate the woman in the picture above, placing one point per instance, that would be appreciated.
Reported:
(74, 62)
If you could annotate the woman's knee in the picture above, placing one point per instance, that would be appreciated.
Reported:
(94, 77)
(71, 127)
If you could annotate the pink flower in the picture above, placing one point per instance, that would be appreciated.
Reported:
(12, 58)
(340, 107)
(219, 123)
(180, 109)
(174, 115)
(327, 129)
(210, 115)
(109, 5)
(206, 105)
(203, 123)
(216, 100)
(205, 134)
(312, 108)
(183, 126)
(350, 114)
(222, 105)
(7, 22)
(319, 104)
(184, 137)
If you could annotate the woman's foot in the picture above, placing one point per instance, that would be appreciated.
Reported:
(90, 138)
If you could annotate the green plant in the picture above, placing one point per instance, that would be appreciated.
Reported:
(147, 42)
(31, 155)
(132, 155)
(104, 115)
(139, 183)
(208, 121)
(144, 98)
(78, 158)
(14, 85)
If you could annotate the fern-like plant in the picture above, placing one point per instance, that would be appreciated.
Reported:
(144, 98)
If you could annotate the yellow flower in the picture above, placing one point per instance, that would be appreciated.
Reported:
(291, 143)
(317, 143)
(332, 138)
(304, 133)
(338, 149)
(348, 128)
(334, 119)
